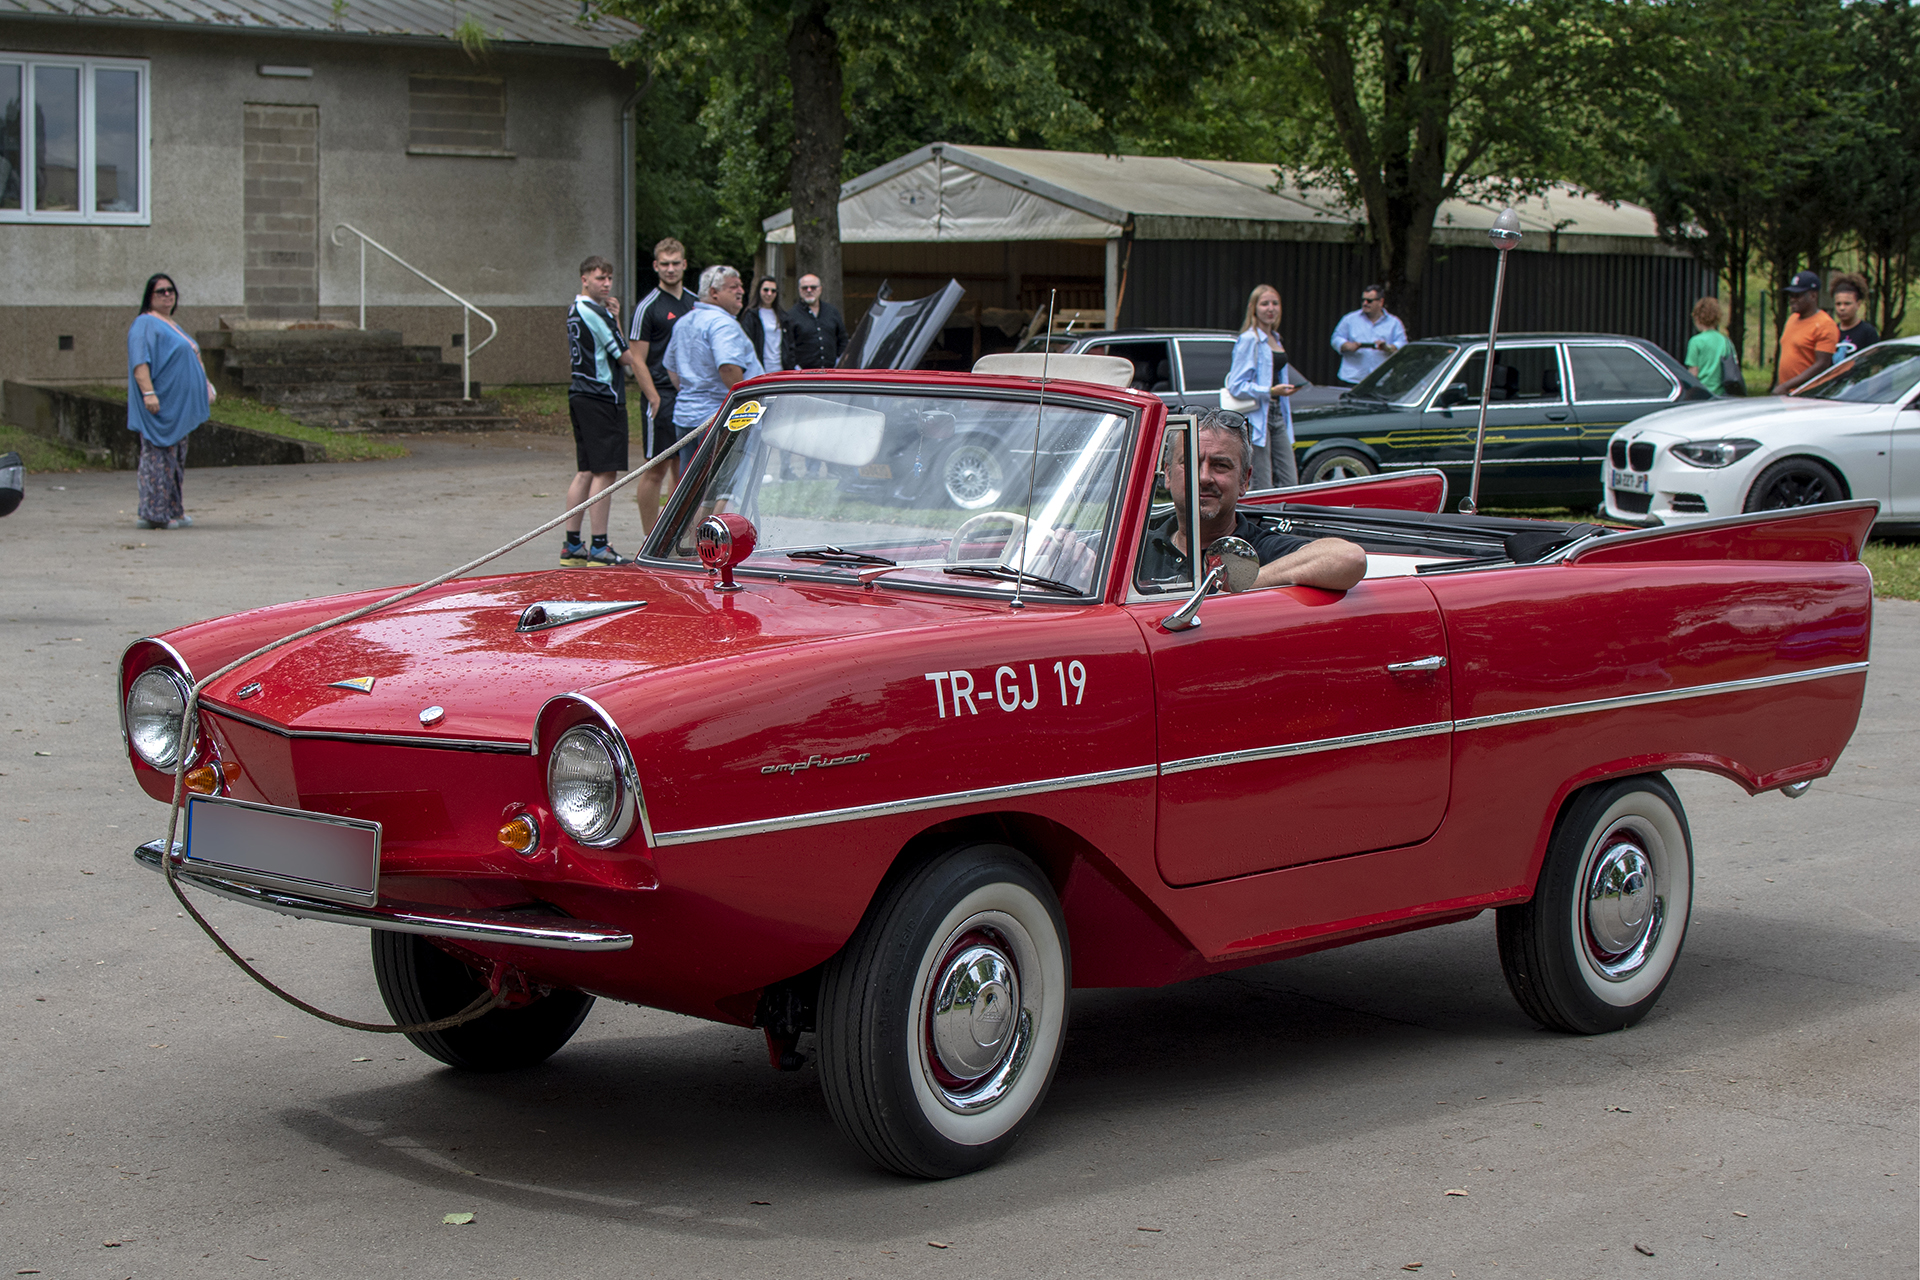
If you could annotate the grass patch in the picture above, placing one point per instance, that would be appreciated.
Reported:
(1896, 568)
(41, 454)
(535, 400)
(240, 411)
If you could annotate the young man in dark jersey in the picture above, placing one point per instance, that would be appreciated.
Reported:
(653, 322)
(597, 404)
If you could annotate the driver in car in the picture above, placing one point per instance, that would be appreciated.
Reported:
(1226, 465)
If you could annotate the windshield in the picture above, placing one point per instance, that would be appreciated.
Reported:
(1407, 374)
(1878, 375)
(912, 488)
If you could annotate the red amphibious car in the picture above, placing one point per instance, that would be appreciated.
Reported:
(889, 777)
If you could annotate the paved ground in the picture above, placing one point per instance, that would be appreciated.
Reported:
(163, 1117)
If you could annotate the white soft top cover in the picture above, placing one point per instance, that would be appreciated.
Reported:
(1106, 371)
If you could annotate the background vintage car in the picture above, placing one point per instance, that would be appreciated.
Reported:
(843, 771)
(1181, 366)
(1556, 399)
(1853, 433)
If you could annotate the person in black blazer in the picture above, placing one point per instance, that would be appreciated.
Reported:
(819, 334)
(766, 327)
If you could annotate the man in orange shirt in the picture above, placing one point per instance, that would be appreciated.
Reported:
(1810, 338)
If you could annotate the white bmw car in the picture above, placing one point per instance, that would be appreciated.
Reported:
(1852, 433)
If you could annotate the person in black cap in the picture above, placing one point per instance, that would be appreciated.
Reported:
(1810, 337)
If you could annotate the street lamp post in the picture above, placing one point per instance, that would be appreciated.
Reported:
(1505, 233)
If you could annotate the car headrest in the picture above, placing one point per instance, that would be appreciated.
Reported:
(1107, 371)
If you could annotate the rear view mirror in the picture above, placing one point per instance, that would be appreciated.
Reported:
(1234, 562)
(1456, 393)
(824, 430)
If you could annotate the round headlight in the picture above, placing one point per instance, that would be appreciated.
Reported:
(156, 706)
(587, 786)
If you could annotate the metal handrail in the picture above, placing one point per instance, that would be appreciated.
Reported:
(467, 308)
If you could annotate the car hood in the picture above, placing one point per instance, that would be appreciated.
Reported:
(458, 648)
(1714, 419)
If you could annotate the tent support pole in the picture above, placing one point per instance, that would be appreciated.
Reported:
(1113, 283)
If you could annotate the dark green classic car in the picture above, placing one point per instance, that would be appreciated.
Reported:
(1556, 399)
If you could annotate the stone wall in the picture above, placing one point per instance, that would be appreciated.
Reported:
(98, 427)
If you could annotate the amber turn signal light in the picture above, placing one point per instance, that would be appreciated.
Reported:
(522, 835)
(207, 779)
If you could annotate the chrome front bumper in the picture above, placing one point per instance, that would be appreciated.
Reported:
(554, 933)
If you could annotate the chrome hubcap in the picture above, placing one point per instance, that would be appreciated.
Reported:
(1624, 911)
(972, 478)
(974, 1008)
(976, 1029)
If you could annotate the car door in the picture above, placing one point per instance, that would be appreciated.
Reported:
(1613, 384)
(1204, 363)
(1533, 438)
(1153, 368)
(1297, 725)
(1903, 503)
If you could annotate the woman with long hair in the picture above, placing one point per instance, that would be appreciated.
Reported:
(168, 395)
(766, 325)
(1260, 373)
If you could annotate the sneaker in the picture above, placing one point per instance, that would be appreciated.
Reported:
(573, 554)
(183, 522)
(597, 556)
(144, 523)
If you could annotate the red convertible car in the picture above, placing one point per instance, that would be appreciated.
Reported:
(890, 780)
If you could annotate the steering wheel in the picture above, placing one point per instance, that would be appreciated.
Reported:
(1018, 524)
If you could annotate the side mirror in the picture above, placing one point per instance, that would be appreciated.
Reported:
(1456, 393)
(1230, 562)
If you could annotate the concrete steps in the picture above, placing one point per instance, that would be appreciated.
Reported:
(349, 380)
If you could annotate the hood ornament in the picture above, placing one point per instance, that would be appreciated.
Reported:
(543, 614)
(247, 690)
(359, 684)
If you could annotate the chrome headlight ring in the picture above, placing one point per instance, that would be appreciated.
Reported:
(155, 718)
(592, 787)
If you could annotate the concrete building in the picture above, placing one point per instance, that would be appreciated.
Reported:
(226, 144)
(1161, 241)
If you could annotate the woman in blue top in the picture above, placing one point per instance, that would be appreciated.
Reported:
(1260, 373)
(168, 395)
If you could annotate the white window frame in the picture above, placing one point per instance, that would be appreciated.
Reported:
(86, 214)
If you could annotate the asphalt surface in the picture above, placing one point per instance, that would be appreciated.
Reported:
(165, 1117)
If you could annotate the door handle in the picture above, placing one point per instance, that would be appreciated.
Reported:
(1418, 664)
(1556, 417)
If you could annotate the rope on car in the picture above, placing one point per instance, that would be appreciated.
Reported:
(497, 994)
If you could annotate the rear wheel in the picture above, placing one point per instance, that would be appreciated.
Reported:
(1794, 482)
(940, 1022)
(1337, 463)
(1595, 948)
(420, 983)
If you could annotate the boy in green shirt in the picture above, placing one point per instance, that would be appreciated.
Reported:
(1708, 347)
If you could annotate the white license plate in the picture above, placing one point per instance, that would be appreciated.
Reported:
(1630, 481)
(316, 854)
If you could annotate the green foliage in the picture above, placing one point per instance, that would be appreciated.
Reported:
(243, 411)
(1896, 568)
(37, 453)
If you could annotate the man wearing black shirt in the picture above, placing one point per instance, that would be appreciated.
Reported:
(1849, 313)
(819, 334)
(1226, 465)
(653, 322)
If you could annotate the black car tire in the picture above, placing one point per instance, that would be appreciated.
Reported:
(1794, 482)
(970, 473)
(1597, 945)
(1337, 463)
(420, 983)
(940, 1022)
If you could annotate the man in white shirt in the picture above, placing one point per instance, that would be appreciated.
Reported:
(709, 353)
(1365, 338)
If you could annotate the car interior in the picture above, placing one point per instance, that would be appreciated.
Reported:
(1152, 363)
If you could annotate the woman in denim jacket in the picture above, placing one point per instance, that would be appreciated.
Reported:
(1260, 373)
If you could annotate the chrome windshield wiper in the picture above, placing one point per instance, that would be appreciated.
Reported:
(838, 555)
(1007, 573)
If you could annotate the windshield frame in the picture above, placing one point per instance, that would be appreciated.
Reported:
(1909, 351)
(686, 494)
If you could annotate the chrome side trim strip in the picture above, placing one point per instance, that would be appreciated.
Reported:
(1663, 695)
(502, 747)
(888, 808)
(1305, 748)
(553, 934)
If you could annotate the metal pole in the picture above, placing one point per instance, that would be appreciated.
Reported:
(1505, 233)
(363, 282)
(466, 347)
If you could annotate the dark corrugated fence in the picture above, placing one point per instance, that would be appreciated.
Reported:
(1205, 283)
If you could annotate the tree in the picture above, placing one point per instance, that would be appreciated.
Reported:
(859, 81)
(1424, 101)
(1886, 212)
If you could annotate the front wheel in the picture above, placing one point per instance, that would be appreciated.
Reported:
(971, 474)
(1595, 948)
(421, 983)
(1336, 464)
(940, 1022)
(1794, 482)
